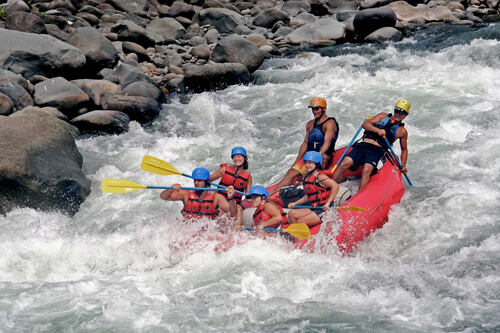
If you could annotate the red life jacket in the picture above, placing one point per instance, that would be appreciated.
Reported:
(316, 194)
(261, 216)
(197, 207)
(239, 181)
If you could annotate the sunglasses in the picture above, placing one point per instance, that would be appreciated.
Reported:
(400, 111)
(314, 108)
(251, 197)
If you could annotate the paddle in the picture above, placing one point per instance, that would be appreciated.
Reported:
(110, 185)
(349, 145)
(397, 160)
(355, 208)
(161, 167)
(297, 230)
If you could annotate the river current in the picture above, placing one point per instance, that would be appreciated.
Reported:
(124, 263)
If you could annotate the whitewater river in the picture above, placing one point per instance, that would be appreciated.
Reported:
(124, 263)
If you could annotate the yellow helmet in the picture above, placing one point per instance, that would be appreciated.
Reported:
(317, 101)
(404, 105)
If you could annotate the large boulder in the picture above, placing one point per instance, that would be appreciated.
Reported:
(236, 49)
(224, 20)
(131, 31)
(99, 51)
(31, 54)
(40, 166)
(368, 20)
(215, 76)
(101, 122)
(322, 29)
(61, 94)
(138, 108)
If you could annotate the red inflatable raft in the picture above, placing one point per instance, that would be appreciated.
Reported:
(384, 190)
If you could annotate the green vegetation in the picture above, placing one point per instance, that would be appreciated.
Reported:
(2, 13)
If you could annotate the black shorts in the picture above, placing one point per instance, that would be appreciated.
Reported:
(363, 153)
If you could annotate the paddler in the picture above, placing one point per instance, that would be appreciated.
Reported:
(373, 147)
(236, 175)
(268, 213)
(199, 204)
(321, 135)
(320, 190)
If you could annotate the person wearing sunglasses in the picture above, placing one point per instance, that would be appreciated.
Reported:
(373, 147)
(322, 133)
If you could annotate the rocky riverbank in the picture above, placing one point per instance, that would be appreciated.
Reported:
(72, 68)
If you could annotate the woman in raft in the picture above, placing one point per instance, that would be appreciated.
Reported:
(320, 190)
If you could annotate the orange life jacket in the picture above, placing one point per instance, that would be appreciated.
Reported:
(197, 207)
(316, 194)
(239, 181)
(261, 216)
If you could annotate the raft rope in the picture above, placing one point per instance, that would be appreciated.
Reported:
(373, 211)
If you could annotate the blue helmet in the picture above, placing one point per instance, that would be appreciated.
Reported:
(201, 173)
(313, 156)
(316, 136)
(238, 151)
(258, 190)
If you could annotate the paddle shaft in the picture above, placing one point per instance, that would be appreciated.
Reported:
(397, 160)
(349, 145)
(187, 188)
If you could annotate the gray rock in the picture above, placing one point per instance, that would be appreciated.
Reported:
(384, 34)
(9, 76)
(212, 77)
(144, 89)
(96, 89)
(130, 6)
(99, 51)
(201, 52)
(131, 47)
(138, 108)
(31, 54)
(166, 30)
(127, 74)
(224, 20)
(368, 20)
(269, 17)
(25, 22)
(130, 31)
(102, 122)
(212, 36)
(61, 94)
(18, 95)
(295, 7)
(322, 29)
(236, 49)
(40, 166)
(6, 105)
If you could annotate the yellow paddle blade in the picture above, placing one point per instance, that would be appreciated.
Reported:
(298, 230)
(110, 185)
(160, 167)
(355, 208)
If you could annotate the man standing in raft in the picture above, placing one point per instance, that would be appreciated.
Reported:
(203, 203)
(373, 147)
(321, 134)
(320, 190)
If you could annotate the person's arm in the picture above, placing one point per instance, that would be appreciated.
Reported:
(228, 206)
(369, 125)
(298, 202)
(175, 194)
(403, 141)
(326, 182)
(330, 130)
(275, 213)
(217, 174)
